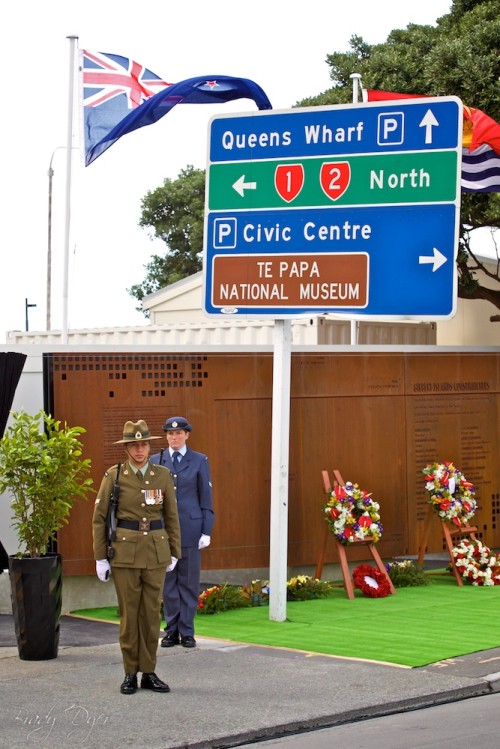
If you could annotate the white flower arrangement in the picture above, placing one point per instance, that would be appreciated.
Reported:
(475, 563)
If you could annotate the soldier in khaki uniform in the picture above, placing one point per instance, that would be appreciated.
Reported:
(147, 537)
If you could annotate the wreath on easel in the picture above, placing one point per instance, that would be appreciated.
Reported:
(449, 493)
(352, 513)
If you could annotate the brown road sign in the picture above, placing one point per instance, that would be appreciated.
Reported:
(333, 279)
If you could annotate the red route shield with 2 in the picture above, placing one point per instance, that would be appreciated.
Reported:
(335, 177)
(289, 180)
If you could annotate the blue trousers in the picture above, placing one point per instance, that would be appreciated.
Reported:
(180, 592)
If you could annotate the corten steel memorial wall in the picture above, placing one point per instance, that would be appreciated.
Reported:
(378, 418)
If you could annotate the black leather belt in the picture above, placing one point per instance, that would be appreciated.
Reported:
(141, 525)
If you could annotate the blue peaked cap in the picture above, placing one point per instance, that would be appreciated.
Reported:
(177, 422)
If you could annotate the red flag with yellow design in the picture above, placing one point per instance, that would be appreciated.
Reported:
(480, 144)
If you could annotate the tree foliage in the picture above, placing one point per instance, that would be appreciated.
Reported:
(459, 55)
(174, 212)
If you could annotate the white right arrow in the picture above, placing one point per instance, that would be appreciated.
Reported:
(437, 259)
(240, 185)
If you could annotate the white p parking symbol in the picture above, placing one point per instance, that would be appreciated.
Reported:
(224, 233)
(390, 130)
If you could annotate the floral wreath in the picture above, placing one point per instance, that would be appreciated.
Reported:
(352, 514)
(371, 581)
(449, 493)
(475, 563)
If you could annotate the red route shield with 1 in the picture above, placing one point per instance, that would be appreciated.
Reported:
(289, 180)
(335, 177)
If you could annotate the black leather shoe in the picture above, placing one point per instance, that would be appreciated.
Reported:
(170, 639)
(129, 685)
(188, 641)
(151, 681)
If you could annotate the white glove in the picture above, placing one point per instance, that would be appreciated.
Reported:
(204, 541)
(172, 564)
(103, 569)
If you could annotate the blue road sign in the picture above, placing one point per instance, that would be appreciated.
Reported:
(335, 209)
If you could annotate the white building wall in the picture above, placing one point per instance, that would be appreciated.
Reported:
(471, 326)
(236, 332)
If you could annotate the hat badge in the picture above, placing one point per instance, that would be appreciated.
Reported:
(175, 424)
(138, 435)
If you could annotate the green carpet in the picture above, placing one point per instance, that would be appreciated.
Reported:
(415, 627)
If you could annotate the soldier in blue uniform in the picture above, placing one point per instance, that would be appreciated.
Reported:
(193, 488)
(147, 539)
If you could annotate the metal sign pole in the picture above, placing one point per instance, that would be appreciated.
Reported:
(279, 470)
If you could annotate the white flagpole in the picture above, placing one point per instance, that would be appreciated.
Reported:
(69, 161)
(356, 78)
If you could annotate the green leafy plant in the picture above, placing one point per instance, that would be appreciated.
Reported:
(405, 574)
(256, 592)
(41, 465)
(221, 598)
(305, 588)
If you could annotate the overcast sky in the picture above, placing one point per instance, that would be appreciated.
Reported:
(280, 44)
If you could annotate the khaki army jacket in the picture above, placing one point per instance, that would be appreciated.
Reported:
(141, 499)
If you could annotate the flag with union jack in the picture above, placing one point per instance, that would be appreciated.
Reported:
(113, 86)
(120, 96)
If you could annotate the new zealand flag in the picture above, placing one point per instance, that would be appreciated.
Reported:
(120, 96)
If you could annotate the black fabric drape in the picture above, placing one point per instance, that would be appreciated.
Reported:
(4, 559)
(11, 366)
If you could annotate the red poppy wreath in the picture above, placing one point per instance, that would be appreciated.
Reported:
(371, 581)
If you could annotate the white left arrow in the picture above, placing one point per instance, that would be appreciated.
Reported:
(437, 259)
(428, 121)
(240, 186)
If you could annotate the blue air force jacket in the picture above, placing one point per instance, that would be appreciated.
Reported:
(193, 489)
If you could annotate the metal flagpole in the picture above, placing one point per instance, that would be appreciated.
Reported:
(69, 160)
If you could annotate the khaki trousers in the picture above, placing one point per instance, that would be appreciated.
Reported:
(139, 595)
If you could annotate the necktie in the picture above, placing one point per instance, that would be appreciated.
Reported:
(175, 459)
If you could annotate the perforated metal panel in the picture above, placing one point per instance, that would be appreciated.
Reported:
(377, 417)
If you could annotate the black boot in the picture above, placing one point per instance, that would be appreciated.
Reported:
(151, 681)
(129, 684)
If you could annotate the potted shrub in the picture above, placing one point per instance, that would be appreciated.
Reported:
(41, 466)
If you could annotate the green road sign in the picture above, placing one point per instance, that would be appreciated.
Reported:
(355, 180)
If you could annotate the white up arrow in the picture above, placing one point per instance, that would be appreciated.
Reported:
(437, 259)
(428, 121)
(240, 186)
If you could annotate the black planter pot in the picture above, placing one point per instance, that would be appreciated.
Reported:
(36, 588)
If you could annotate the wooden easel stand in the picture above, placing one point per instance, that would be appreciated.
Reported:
(341, 548)
(449, 534)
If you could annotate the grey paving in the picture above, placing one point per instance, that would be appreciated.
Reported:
(223, 693)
